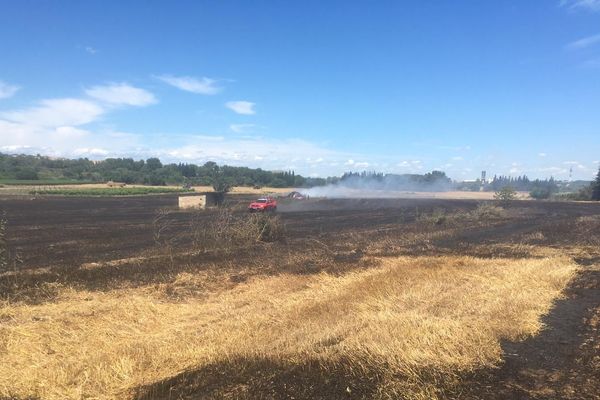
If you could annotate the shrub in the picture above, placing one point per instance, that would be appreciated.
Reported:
(266, 227)
(540, 193)
(225, 230)
(487, 211)
(8, 260)
(505, 195)
(437, 217)
(583, 194)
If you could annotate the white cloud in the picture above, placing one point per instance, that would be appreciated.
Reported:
(83, 152)
(241, 107)
(56, 112)
(90, 50)
(455, 148)
(190, 84)
(590, 5)
(241, 128)
(7, 90)
(584, 42)
(70, 132)
(542, 154)
(121, 94)
(457, 158)
(410, 166)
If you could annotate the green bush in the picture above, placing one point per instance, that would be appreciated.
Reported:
(583, 194)
(540, 193)
(505, 195)
(27, 174)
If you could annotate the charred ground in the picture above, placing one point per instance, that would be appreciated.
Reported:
(105, 243)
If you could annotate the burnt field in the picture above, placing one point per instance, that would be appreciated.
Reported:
(505, 301)
(51, 232)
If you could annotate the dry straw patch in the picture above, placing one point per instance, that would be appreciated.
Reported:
(408, 319)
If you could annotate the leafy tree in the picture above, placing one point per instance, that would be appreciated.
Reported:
(153, 164)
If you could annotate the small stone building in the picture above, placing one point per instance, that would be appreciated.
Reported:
(200, 200)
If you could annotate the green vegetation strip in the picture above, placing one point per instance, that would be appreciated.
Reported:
(42, 182)
(128, 191)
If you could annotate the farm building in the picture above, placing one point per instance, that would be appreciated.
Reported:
(200, 200)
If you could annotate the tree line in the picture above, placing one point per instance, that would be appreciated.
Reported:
(538, 189)
(153, 172)
(149, 172)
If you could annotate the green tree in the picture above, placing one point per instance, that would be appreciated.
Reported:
(153, 164)
(26, 174)
(596, 187)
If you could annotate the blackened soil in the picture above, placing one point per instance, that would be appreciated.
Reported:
(562, 362)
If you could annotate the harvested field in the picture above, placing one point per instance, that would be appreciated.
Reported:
(346, 299)
(25, 188)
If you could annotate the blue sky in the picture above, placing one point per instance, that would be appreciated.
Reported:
(321, 87)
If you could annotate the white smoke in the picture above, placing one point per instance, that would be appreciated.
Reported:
(381, 186)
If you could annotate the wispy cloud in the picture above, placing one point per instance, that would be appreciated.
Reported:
(190, 84)
(121, 94)
(589, 5)
(542, 154)
(241, 107)
(55, 113)
(584, 42)
(241, 128)
(90, 50)
(7, 90)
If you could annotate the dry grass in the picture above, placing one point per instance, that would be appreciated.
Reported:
(396, 324)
